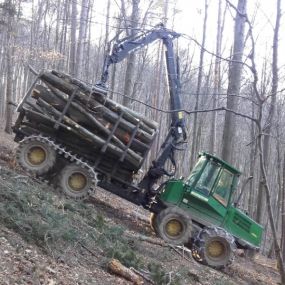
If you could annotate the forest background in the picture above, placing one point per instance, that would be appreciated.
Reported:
(232, 79)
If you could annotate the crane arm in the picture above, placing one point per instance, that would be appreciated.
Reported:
(122, 48)
(177, 132)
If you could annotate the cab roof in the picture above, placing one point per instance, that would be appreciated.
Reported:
(227, 165)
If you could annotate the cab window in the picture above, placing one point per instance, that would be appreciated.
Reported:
(197, 168)
(222, 188)
(208, 178)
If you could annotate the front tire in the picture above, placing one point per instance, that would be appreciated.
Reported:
(214, 247)
(173, 226)
(76, 182)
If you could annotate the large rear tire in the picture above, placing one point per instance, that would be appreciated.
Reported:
(35, 156)
(173, 226)
(214, 247)
(76, 182)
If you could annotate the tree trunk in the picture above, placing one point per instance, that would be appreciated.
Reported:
(234, 82)
(9, 73)
(72, 53)
(129, 75)
(217, 79)
(267, 191)
(272, 107)
(252, 169)
(81, 36)
(198, 89)
(283, 212)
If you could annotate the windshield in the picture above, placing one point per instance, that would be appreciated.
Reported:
(208, 178)
(198, 166)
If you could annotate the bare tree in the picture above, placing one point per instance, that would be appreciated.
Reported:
(82, 36)
(129, 75)
(234, 82)
(9, 11)
(72, 54)
(260, 127)
(198, 89)
(283, 211)
(217, 75)
(272, 107)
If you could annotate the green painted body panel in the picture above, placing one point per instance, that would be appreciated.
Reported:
(202, 207)
(241, 226)
(173, 193)
(213, 205)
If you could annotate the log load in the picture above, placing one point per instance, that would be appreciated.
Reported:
(81, 116)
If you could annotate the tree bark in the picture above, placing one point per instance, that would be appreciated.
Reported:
(272, 107)
(9, 73)
(234, 82)
(283, 212)
(267, 191)
(129, 75)
(217, 79)
(115, 266)
(194, 146)
(81, 36)
(72, 54)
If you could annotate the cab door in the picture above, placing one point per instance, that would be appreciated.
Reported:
(209, 198)
(221, 192)
(197, 196)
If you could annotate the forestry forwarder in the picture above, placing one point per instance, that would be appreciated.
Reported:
(198, 211)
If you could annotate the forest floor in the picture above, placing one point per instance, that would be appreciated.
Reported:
(47, 239)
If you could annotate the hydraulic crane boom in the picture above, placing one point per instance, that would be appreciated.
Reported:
(177, 133)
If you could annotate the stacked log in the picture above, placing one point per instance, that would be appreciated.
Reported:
(66, 107)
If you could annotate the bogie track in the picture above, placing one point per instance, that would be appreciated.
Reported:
(69, 159)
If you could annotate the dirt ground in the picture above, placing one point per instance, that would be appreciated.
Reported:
(26, 261)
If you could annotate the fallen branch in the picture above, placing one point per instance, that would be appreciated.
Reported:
(184, 249)
(96, 254)
(147, 239)
(142, 275)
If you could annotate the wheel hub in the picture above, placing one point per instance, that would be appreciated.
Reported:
(77, 181)
(36, 155)
(174, 228)
(215, 249)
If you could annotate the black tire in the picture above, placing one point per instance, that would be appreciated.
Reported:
(34, 156)
(214, 247)
(76, 182)
(173, 226)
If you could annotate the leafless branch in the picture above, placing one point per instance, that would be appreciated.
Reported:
(190, 112)
(140, 273)
(228, 59)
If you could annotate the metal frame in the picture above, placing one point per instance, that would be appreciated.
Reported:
(28, 93)
(59, 120)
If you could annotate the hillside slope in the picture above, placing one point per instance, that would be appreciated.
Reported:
(47, 239)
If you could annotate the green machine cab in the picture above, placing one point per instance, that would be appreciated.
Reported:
(201, 209)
